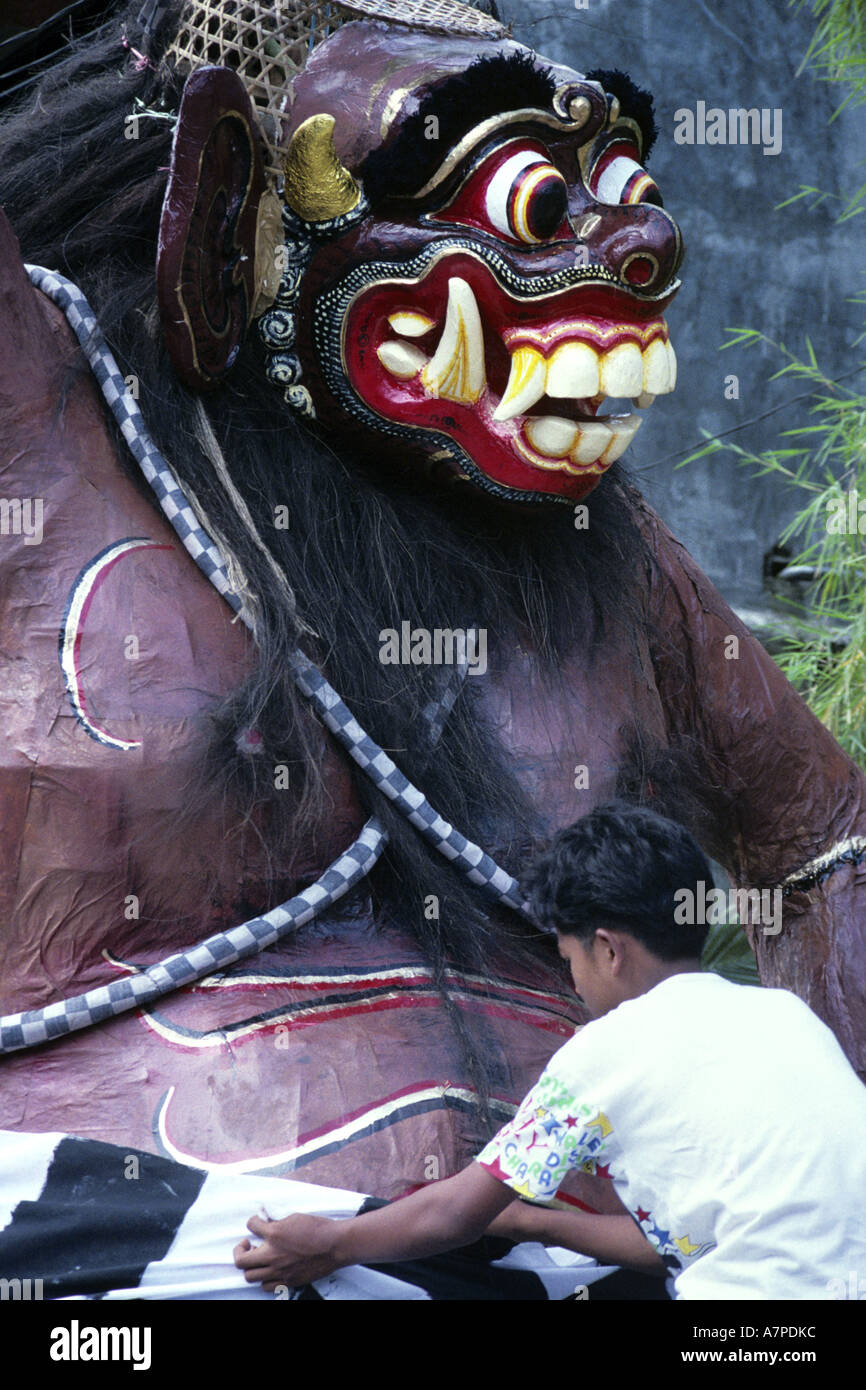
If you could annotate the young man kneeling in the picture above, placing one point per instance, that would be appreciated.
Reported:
(727, 1116)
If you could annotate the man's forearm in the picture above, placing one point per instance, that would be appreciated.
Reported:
(424, 1224)
(612, 1240)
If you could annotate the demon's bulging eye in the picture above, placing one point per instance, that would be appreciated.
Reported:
(617, 175)
(527, 198)
(517, 193)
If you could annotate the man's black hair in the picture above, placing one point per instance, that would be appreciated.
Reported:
(621, 866)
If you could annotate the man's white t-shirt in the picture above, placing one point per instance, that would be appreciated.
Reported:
(732, 1126)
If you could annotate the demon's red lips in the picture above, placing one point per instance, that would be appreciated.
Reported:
(517, 382)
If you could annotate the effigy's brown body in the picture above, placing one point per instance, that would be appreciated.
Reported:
(329, 1057)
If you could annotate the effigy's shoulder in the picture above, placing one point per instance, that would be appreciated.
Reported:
(34, 340)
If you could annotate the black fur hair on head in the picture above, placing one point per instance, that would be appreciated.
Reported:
(490, 85)
(634, 101)
(365, 549)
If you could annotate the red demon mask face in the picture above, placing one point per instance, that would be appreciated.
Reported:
(476, 264)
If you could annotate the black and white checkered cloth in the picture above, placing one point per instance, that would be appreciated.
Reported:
(383, 772)
(81, 1219)
(36, 1026)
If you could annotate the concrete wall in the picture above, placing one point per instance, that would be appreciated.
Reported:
(788, 273)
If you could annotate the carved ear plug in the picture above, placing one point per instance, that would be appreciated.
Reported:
(321, 199)
(269, 241)
(218, 232)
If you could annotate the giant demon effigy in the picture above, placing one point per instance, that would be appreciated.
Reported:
(326, 600)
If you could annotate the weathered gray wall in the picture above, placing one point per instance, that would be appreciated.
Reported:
(787, 273)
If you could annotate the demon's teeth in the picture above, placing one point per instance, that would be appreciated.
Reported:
(573, 372)
(580, 442)
(411, 323)
(456, 369)
(623, 429)
(401, 359)
(672, 364)
(526, 384)
(657, 364)
(551, 435)
(593, 440)
(621, 371)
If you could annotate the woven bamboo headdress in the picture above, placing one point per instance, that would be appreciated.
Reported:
(269, 44)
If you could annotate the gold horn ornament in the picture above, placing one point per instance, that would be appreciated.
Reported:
(317, 186)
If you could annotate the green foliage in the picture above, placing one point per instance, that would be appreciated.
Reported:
(727, 952)
(837, 54)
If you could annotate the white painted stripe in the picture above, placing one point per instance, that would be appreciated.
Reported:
(83, 591)
(222, 1035)
(403, 972)
(823, 861)
(340, 1134)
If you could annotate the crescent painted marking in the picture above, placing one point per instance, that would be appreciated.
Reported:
(359, 1124)
(77, 608)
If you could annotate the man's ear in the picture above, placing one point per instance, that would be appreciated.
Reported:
(612, 948)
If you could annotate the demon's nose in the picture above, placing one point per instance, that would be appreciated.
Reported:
(641, 244)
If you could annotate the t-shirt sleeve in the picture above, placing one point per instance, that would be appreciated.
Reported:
(554, 1131)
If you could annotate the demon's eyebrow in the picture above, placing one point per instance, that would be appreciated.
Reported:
(488, 87)
(634, 101)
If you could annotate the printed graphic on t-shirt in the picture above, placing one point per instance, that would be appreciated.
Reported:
(676, 1251)
(551, 1133)
(554, 1132)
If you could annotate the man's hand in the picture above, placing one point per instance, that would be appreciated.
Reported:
(295, 1251)
(301, 1249)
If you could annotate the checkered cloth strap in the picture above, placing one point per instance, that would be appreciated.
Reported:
(124, 407)
(135, 991)
(36, 1026)
(386, 776)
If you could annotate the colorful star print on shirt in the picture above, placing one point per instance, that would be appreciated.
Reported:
(551, 1133)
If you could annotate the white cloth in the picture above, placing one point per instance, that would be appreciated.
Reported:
(733, 1128)
(81, 1219)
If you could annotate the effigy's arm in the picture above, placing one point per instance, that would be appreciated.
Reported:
(786, 806)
